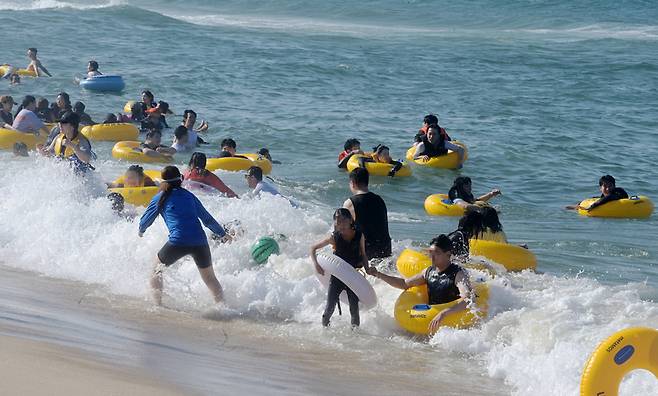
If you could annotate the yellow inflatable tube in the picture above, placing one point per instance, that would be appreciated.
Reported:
(154, 174)
(635, 207)
(448, 161)
(8, 138)
(412, 262)
(378, 168)
(512, 257)
(138, 196)
(127, 108)
(239, 164)
(20, 72)
(125, 151)
(414, 314)
(111, 132)
(441, 205)
(625, 351)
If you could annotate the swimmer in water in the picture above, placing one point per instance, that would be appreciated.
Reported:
(134, 177)
(35, 64)
(381, 155)
(609, 192)
(446, 281)
(347, 243)
(461, 194)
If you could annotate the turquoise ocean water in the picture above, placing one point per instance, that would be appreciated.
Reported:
(547, 95)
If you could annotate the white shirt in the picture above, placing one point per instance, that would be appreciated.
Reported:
(191, 139)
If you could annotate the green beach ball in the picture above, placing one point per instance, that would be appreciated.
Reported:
(262, 249)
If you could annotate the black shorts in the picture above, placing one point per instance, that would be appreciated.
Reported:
(170, 253)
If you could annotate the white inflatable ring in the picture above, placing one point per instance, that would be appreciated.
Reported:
(334, 265)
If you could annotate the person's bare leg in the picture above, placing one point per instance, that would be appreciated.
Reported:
(209, 278)
(156, 281)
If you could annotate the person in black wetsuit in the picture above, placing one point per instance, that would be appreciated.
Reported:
(609, 192)
(348, 244)
(470, 226)
(370, 214)
(445, 280)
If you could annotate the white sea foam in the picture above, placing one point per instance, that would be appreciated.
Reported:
(8, 5)
(540, 331)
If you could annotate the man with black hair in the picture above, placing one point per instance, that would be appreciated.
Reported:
(370, 214)
(609, 192)
(446, 281)
(352, 146)
(35, 64)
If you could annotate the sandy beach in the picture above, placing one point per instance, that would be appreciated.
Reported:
(82, 341)
(39, 368)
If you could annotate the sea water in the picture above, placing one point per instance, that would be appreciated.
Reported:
(548, 96)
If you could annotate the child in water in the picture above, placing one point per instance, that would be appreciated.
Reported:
(134, 177)
(381, 155)
(348, 243)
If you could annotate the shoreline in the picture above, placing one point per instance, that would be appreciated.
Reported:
(200, 355)
(32, 367)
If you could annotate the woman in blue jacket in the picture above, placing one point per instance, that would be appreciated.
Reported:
(181, 212)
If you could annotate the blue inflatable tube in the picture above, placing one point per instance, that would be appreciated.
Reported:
(104, 83)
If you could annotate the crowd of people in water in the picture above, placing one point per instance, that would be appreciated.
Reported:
(360, 233)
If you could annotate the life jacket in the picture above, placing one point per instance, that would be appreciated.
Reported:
(431, 150)
(67, 152)
(441, 286)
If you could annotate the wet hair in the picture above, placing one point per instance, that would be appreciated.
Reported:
(149, 94)
(471, 223)
(137, 109)
(256, 172)
(344, 214)
(442, 242)
(171, 180)
(186, 114)
(72, 118)
(349, 143)
(228, 142)
(118, 203)
(180, 132)
(67, 100)
(163, 107)
(26, 102)
(607, 180)
(431, 119)
(32, 49)
(137, 169)
(265, 153)
(458, 191)
(198, 162)
(490, 219)
(380, 148)
(42, 104)
(360, 177)
(94, 65)
(79, 107)
(20, 149)
(110, 118)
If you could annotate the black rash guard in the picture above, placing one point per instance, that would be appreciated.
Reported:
(372, 220)
(616, 194)
(350, 251)
(441, 286)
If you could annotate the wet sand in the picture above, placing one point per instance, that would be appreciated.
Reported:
(126, 344)
(38, 368)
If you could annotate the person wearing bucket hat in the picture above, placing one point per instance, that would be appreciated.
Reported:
(6, 105)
